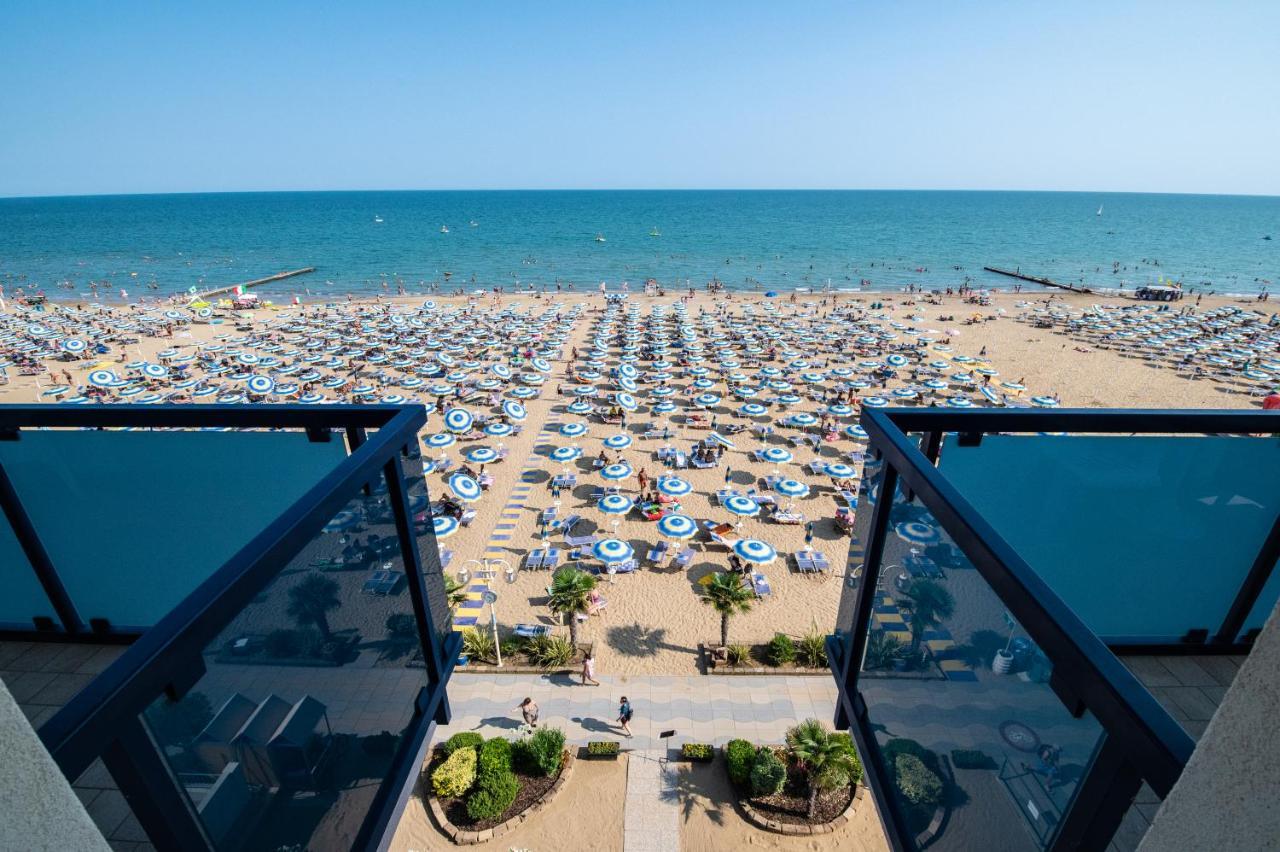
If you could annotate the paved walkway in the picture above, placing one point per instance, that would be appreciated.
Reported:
(652, 819)
(697, 708)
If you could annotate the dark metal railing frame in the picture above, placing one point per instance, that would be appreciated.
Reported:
(104, 720)
(1141, 741)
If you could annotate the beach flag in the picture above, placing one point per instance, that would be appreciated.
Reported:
(192, 289)
(239, 290)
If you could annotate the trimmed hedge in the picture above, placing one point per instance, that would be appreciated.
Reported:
(493, 794)
(463, 739)
(918, 785)
(456, 775)
(768, 773)
(739, 755)
(603, 747)
(701, 752)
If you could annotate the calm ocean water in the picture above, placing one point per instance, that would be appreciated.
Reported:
(778, 240)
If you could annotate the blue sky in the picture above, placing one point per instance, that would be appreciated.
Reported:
(151, 97)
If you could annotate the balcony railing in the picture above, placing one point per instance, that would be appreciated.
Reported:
(998, 561)
(275, 696)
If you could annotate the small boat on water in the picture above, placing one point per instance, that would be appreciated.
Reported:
(655, 233)
(377, 220)
(599, 238)
(474, 223)
(444, 229)
(1099, 213)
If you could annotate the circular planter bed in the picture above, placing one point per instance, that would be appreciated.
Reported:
(536, 792)
(785, 812)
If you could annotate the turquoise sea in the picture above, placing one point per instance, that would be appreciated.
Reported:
(780, 240)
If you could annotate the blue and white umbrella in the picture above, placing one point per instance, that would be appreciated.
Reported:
(612, 550)
(155, 371)
(616, 472)
(565, 454)
(914, 532)
(311, 398)
(856, 432)
(523, 392)
(618, 442)
(481, 455)
(752, 409)
(896, 361)
(444, 526)
(502, 371)
(777, 455)
(573, 430)
(464, 487)
(498, 429)
(625, 400)
(614, 504)
(739, 505)
(344, 520)
(677, 526)
(102, 378)
(389, 399)
(755, 550)
(960, 402)
(673, 486)
(664, 407)
(260, 384)
(792, 488)
(706, 400)
(802, 418)
(578, 407)
(838, 470)
(875, 402)
(1044, 401)
(74, 345)
(440, 440)
(458, 420)
(542, 365)
(626, 384)
(514, 410)
(840, 410)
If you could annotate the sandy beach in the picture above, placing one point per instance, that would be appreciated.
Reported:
(654, 619)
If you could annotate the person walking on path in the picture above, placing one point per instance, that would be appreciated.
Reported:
(643, 477)
(808, 533)
(589, 671)
(624, 715)
(529, 710)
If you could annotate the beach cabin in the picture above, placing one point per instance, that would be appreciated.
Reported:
(212, 746)
(299, 746)
(250, 742)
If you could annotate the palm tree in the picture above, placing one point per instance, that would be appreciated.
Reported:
(882, 649)
(825, 761)
(454, 592)
(570, 595)
(931, 603)
(311, 600)
(727, 595)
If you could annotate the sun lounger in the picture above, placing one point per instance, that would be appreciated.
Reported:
(701, 465)
(578, 541)
(723, 494)
(759, 584)
(382, 582)
(791, 518)
(657, 553)
(850, 499)
(566, 525)
(468, 516)
(723, 534)
(531, 631)
(682, 559)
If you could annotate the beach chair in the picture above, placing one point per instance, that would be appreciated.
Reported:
(382, 582)
(682, 559)
(578, 541)
(723, 494)
(566, 525)
(759, 456)
(550, 558)
(446, 556)
(657, 553)
(759, 584)
(723, 534)
(468, 515)
(681, 461)
(850, 499)
(531, 631)
(533, 560)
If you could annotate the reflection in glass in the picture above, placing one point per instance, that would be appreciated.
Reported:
(287, 736)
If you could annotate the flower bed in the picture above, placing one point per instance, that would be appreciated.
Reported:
(602, 750)
(478, 792)
(516, 659)
(757, 661)
(698, 752)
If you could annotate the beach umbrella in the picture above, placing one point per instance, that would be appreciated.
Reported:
(840, 410)
(73, 345)
(584, 390)
(673, 486)
(706, 400)
(739, 505)
(458, 420)
(616, 472)
(914, 532)
(440, 440)
(627, 384)
(611, 550)
(839, 471)
(1044, 401)
(802, 418)
(565, 454)
(481, 455)
(875, 402)
(514, 410)
(573, 430)
(542, 365)
(777, 455)
(664, 407)
(444, 526)
(896, 361)
(260, 385)
(677, 526)
(102, 378)
(344, 520)
(311, 398)
(155, 371)
(614, 504)
(960, 402)
(464, 487)
(752, 409)
(756, 551)
(578, 407)
(791, 488)
(625, 400)
(523, 392)
(618, 442)
(856, 432)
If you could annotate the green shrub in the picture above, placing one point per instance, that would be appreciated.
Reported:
(967, 758)
(739, 755)
(511, 646)
(602, 747)
(738, 654)
(781, 649)
(456, 775)
(493, 794)
(494, 756)
(402, 628)
(846, 740)
(917, 784)
(283, 643)
(812, 650)
(542, 753)
(550, 652)
(697, 751)
(462, 739)
(479, 645)
(768, 773)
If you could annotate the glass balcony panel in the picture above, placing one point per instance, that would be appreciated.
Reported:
(976, 749)
(1145, 537)
(431, 555)
(288, 735)
(154, 513)
(1265, 604)
(24, 597)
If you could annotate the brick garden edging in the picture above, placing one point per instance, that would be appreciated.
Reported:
(759, 820)
(725, 670)
(462, 837)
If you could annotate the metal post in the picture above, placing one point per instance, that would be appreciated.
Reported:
(1252, 586)
(153, 792)
(43, 567)
(1105, 794)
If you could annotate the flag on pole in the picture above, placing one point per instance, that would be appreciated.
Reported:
(238, 290)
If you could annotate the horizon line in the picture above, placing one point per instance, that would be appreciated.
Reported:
(50, 196)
